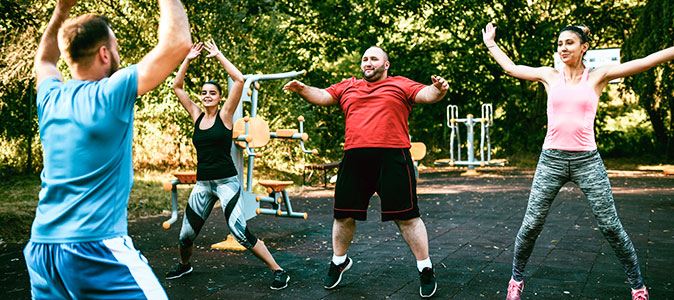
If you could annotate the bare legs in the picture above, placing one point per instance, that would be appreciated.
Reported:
(413, 231)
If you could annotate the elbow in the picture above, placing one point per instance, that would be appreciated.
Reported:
(183, 47)
(180, 46)
(237, 78)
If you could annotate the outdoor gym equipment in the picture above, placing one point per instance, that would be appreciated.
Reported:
(418, 152)
(250, 133)
(486, 122)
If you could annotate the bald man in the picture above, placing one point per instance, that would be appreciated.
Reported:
(376, 158)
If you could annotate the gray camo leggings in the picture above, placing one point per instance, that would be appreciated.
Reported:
(586, 169)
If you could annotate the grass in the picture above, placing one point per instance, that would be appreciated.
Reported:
(19, 196)
(19, 193)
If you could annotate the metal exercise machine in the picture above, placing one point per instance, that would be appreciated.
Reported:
(250, 133)
(486, 122)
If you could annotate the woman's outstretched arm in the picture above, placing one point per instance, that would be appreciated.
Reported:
(636, 66)
(541, 74)
(178, 83)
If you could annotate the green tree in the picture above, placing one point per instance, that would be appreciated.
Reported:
(653, 31)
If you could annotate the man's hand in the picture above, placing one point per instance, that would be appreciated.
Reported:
(434, 92)
(313, 95)
(294, 86)
(440, 83)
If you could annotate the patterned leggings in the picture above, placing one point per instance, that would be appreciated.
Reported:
(586, 169)
(201, 202)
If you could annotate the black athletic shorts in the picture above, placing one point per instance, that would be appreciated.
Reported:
(387, 171)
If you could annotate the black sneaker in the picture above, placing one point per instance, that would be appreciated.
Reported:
(428, 283)
(179, 271)
(335, 273)
(281, 279)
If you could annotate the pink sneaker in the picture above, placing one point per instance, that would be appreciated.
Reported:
(638, 294)
(515, 289)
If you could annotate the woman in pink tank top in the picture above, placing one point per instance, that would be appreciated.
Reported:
(569, 150)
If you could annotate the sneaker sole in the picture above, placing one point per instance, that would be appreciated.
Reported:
(340, 276)
(181, 274)
(283, 287)
(431, 294)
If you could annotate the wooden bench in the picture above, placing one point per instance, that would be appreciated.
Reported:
(319, 167)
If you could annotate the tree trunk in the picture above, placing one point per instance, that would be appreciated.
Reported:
(659, 129)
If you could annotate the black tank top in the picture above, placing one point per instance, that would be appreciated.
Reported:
(214, 160)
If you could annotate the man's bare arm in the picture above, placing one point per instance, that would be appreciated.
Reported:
(173, 44)
(311, 94)
(48, 52)
(434, 92)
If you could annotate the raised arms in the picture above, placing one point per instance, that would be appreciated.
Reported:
(227, 111)
(192, 108)
(48, 52)
(173, 44)
(311, 94)
(541, 74)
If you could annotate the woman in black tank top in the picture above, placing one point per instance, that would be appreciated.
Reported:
(216, 174)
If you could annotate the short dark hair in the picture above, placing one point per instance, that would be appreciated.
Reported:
(382, 50)
(81, 36)
(216, 84)
(582, 31)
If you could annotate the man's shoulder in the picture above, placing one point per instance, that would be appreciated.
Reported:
(400, 79)
(350, 80)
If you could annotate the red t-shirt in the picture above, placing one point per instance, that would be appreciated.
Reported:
(376, 113)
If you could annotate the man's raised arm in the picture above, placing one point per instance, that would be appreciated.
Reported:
(48, 52)
(311, 94)
(434, 92)
(173, 44)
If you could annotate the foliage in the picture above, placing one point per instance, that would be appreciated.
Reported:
(326, 38)
(653, 31)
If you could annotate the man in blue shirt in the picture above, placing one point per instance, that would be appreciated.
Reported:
(79, 247)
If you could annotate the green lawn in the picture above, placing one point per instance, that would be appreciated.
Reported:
(20, 194)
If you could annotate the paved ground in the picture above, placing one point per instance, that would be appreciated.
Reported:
(472, 223)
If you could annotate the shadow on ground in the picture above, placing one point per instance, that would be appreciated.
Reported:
(471, 221)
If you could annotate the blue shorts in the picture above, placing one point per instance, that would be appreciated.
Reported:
(106, 269)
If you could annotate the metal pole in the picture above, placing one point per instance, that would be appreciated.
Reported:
(471, 154)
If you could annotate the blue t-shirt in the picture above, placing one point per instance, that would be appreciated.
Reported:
(86, 129)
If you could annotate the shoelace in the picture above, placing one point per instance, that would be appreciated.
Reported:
(336, 268)
(278, 275)
(513, 288)
(640, 295)
(426, 276)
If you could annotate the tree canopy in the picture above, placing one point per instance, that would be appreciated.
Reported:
(423, 38)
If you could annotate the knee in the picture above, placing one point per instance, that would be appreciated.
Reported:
(407, 223)
(346, 222)
(531, 228)
(243, 236)
(611, 230)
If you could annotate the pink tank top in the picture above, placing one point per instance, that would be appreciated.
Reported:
(571, 112)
